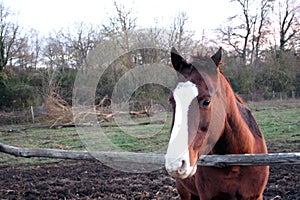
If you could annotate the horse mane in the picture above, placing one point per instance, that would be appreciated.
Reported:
(239, 99)
(249, 119)
(245, 111)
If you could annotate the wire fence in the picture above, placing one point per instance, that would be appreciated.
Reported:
(270, 96)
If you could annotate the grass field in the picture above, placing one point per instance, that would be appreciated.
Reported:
(279, 121)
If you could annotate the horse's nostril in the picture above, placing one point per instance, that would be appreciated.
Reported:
(182, 168)
(183, 162)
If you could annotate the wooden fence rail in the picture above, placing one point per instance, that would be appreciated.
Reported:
(156, 159)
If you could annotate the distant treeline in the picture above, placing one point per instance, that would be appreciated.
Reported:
(33, 67)
(274, 75)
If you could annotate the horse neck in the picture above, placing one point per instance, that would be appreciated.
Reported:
(236, 137)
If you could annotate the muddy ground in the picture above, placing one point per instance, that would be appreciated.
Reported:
(92, 180)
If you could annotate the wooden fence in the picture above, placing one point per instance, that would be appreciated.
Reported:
(156, 159)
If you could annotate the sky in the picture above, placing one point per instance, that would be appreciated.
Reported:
(49, 15)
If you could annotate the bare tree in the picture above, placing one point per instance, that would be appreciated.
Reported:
(69, 47)
(260, 31)
(65, 52)
(119, 30)
(35, 45)
(238, 36)
(80, 41)
(289, 22)
(27, 50)
(56, 58)
(120, 25)
(55, 52)
(248, 31)
(8, 36)
(179, 36)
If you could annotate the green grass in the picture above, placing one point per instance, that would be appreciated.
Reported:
(279, 122)
(65, 138)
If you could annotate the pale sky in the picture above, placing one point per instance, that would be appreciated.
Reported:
(47, 15)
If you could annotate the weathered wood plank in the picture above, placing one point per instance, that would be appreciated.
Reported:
(156, 159)
(249, 159)
(46, 153)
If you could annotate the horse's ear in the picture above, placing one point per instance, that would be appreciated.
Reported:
(177, 61)
(217, 57)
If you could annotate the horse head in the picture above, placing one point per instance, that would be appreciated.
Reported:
(195, 100)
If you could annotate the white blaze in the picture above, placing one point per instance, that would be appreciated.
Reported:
(177, 151)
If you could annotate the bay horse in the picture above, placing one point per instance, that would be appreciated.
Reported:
(209, 118)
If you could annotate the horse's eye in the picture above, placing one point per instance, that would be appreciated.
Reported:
(172, 102)
(171, 99)
(205, 103)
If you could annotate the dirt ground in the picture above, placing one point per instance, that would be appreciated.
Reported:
(92, 180)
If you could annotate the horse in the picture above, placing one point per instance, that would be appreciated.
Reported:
(209, 118)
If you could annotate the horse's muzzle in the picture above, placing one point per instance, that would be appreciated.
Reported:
(180, 168)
